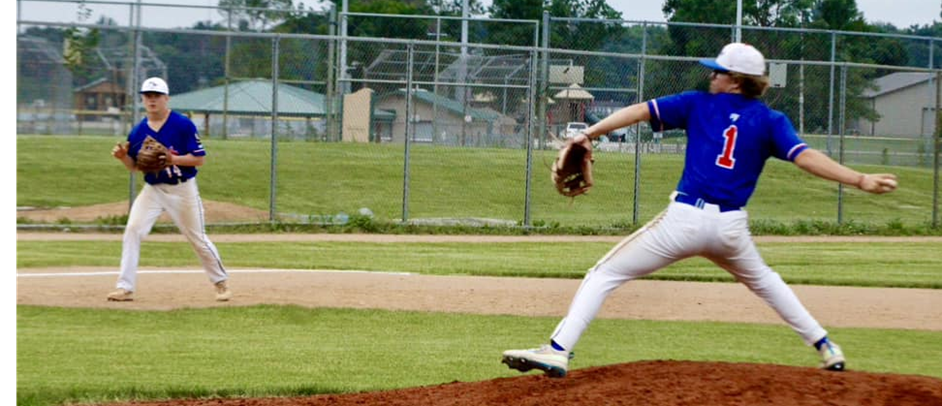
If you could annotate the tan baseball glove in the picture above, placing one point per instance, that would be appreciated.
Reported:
(572, 171)
(152, 157)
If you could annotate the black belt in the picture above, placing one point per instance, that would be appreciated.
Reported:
(700, 203)
(174, 181)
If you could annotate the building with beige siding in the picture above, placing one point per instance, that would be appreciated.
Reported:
(443, 120)
(905, 102)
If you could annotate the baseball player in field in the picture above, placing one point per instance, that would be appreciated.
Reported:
(730, 135)
(172, 189)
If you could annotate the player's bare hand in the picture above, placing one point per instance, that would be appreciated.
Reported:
(120, 150)
(878, 183)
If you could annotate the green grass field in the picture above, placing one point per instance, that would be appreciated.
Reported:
(322, 178)
(915, 264)
(67, 356)
(878, 150)
(81, 355)
(86, 355)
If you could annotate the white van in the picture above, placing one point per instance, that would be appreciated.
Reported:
(574, 128)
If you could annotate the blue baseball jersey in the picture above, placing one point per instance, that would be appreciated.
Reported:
(729, 138)
(180, 136)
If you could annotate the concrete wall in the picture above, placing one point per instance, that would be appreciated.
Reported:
(356, 116)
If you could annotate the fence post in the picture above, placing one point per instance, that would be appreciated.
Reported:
(438, 39)
(226, 73)
(636, 208)
(936, 150)
(134, 80)
(274, 128)
(408, 135)
(543, 81)
(840, 130)
(831, 92)
(342, 74)
(19, 32)
(930, 136)
(531, 116)
(331, 125)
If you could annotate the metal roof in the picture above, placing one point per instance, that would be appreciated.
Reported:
(506, 69)
(896, 81)
(253, 97)
(574, 92)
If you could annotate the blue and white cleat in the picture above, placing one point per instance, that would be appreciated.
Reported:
(832, 357)
(552, 362)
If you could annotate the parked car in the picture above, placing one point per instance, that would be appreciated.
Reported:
(574, 128)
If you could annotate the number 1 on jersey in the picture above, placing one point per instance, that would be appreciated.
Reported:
(726, 160)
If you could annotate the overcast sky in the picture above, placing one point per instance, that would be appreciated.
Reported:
(901, 13)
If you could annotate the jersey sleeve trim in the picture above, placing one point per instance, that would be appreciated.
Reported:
(656, 124)
(797, 149)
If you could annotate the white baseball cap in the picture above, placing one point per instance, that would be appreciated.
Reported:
(155, 85)
(740, 58)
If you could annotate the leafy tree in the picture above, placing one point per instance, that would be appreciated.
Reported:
(691, 41)
(821, 14)
(78, 43)
(587, 36)
(250, 58)
(257, 15)
(622, 73)
(918, 50)
(839, 15)
(193, 61)
(573, 36)
(306, 22)
(390, 27)
(453, 7)
(303, 59)
(478, 31)
(518, 10)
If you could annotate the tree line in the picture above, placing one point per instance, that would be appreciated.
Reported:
(196, 61)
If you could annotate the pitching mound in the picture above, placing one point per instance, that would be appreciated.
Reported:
(650, 383)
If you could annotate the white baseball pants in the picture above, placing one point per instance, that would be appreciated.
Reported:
(680, 232)
(182, 202)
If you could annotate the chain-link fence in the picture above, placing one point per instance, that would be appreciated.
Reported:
(449, 124)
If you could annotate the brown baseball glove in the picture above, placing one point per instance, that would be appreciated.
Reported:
(152, 157)
(572, 171)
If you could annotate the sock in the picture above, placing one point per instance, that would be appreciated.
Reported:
(820, 343)
(556, 346)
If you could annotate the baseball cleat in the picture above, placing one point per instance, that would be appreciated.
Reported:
(222, 291)
(121, 295)
(552, 362)
(832, 357)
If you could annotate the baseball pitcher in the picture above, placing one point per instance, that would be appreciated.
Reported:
(730, 135)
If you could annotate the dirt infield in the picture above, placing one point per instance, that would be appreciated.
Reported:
(656, 383)
(650, 383)
(167, 289)
(216, 212)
